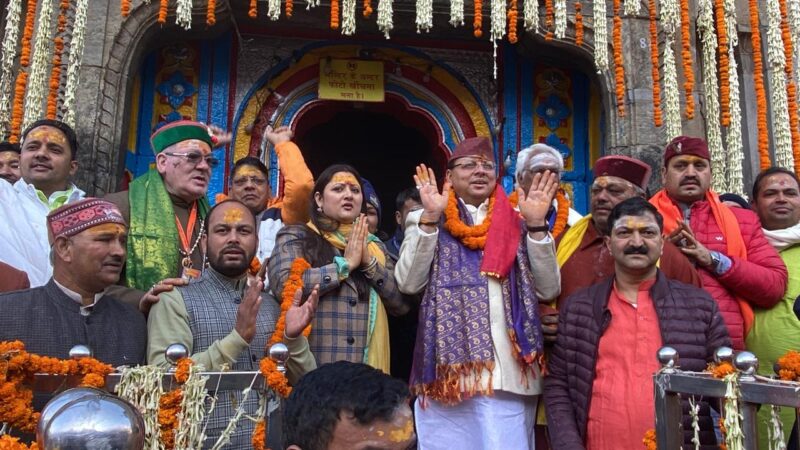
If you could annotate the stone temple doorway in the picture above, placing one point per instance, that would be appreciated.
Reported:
(384, 142)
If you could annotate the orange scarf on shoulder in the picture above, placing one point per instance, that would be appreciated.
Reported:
(726, 221)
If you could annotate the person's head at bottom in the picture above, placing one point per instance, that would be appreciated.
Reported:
(351, 406)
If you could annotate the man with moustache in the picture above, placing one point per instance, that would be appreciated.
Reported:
(74, 307)
(583, 256)
(225, 319)
(48, 160)
(736, 264)
(599, 392)
(166, 208)
(9, 162)
(776, 200)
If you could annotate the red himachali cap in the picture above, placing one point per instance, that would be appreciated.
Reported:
(474, 146)
(686, 145)
(71, 219)
(630, 169)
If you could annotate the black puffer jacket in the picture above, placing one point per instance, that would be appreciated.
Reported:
(689, 320)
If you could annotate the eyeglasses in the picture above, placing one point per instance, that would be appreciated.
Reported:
(194, 158)
(241, 182)
(473, 165)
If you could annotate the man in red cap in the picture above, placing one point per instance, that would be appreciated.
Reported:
(737, 265)
(482, 268)
(166, 208)
(583, 256)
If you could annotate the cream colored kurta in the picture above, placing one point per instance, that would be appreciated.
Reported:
(412, 272)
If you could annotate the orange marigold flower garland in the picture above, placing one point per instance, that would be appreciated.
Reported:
(334, 14)
(211, 13)
(169, 405)
(55, 78)
(182, 370)
(255, 266)
(791, 86)
(721, 370)
(649, 440)
(657, 119)
(619, 66)
(549, 18)
(477, 21)
(253, 12)
(758, 81)
(162, 11)
(578, 24)
(293, 283)
(22, 77)
(274, 379)
(367, 8)
(473, 237)
(125, 8)
(289, 8)
(686, 58)
(724, 86)
(789, 366)
(8, 442)
(258, 435)
(512, 22)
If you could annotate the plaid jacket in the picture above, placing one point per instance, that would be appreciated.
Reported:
(339, 329)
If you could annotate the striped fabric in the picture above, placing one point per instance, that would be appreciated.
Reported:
(212, 302)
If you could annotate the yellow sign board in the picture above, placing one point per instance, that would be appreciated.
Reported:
(351, 80)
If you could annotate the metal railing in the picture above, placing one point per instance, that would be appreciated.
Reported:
(670, 384)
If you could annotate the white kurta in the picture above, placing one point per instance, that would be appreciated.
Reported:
(512, 391)
(23, 230)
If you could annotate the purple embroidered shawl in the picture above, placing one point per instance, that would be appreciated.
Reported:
(454, 335)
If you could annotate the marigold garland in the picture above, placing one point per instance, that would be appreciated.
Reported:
(657, 118)
(367, 8)
(169, 405)
(686, 58)
(274, 379)
(512, 22)
(22, 77)
(334, 14)
(473, 237)
(162, 11)
(779, 104)
(290, 287)
(125, 8)
(549, 14)
(477, 21)
(8, 442)
(182, 370)
(578, 24)
(211, 12)
(722, 51)
(791, 85)
(789, 366)
(721, 370)
(758, 81)
(255, 266)
(27, 34)
(258, 435)
(55, 78)
(619, 66)
(253, 11)
(649, 440)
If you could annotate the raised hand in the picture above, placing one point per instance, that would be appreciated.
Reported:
(247, 313)
(278, 135)
(354, 251)
(537, 202)
(299, 316)
(223, 137)
(684, 238)
(433, 202)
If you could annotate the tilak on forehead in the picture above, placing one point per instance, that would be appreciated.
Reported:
(634, 223)
(345, 178)
(45, 132)
(9, 156)
(106, 228)
(232, 216)
(247, 170)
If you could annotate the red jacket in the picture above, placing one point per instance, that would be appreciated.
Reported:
(760, 280)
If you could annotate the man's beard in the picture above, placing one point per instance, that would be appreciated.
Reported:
(229, 269)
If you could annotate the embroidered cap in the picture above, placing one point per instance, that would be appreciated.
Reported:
(630, 169)
(9, 147)
(74, 218)
(181, 130)
(686, 145)
(474, 146)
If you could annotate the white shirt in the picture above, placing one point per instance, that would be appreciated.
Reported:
(85, 309)
(23, 229)
(412, 272)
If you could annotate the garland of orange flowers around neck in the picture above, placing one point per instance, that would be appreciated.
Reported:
(562, 212)
(17, 367)
(473, 237)
(269, 369)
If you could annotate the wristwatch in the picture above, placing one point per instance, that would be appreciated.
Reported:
(715, 259)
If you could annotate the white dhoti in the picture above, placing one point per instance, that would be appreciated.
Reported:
(503, 421)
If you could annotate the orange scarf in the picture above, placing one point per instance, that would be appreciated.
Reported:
(726, 221)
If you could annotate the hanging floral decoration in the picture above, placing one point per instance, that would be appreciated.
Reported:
(125, 8)
(367, 9)
(758, 81)
(776, 59)
(293, 283)
(549, 14)
(334, 14)
(55, 71)
(385, 24)
(578, 24)
(424, 20)
(477, 20)
(734, 177)
(649, 440)
(162, 11)
(8, 53)
(722, 54)
(632, 7)
(274, 9)
(530, 14)
(252, 11)
(75, 58)
(789, 366)
(211, 12)
(791, 85)
(258, 435)
(512, 22)
(619, 65)
(183, 14)
(670, 16)
(21, 83)
(657, 119)
(349, 17)
(456, 13)
(708, 43)
(37, 84)
(600, 36)
(686, 58)
(560, 18)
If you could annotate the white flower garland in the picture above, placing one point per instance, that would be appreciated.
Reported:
(560, 14)
(694, 409)
(75, 57)
(225, 437)
(498, 20)
(384, 20)
(530, 14)
(9, 52)
(37, 86)
(456, 12)
(600, 35)
(631, 7)
(670, 17)
(780, 104)
(311, 4)
(190, 432)
(274, 9)
(183, 14)
(708, 41)
(348, 17)
(142, 387)
(793, 7)
(775, 429)
(734, 438)
(424, 18)
(735, 147)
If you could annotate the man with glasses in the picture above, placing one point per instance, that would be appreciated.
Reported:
(165, 208)
(250, 185)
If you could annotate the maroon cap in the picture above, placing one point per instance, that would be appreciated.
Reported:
(474, 146)
(685, 145)
(74, 218)
(630, 169)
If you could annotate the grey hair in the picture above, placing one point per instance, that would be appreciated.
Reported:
(526, 155)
